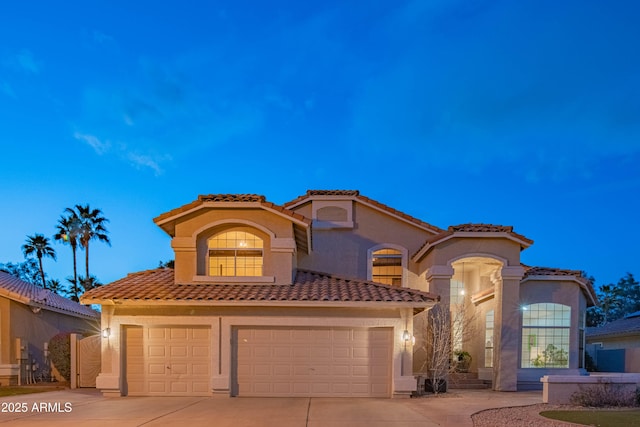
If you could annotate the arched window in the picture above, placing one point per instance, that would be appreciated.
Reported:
(235, 253)
(387, 267)
(545, 335)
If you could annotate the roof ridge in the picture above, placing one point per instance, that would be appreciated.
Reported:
(356, 194)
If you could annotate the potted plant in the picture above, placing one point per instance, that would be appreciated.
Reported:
(462, 360)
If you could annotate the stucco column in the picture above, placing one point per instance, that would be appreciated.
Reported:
(507, 328)
(108, 380)
(439, 281)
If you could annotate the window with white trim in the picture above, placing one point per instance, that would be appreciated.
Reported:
(235, 253)
(545, 335)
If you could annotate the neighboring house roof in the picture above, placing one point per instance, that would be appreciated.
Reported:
(542, 273)
(308, 287)
(301, 224)
(18, 290)
(629, 325)
(473, 230)
(355, 195)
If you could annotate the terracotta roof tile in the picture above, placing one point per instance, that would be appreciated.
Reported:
(27, 293)
(473, 228)
(158, 285)
(231, 198)
(356, 194)
(549, 271)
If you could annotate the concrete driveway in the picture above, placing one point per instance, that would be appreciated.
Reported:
(71, 408)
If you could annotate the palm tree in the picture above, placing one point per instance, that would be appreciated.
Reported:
(91, 228)
(89, 283)
(39, 245)
(55, 286)
(68, 232)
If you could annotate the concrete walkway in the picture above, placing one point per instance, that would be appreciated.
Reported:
(70, 408)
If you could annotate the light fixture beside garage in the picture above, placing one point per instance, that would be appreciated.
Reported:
(106, 333)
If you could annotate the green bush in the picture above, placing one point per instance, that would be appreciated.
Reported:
(60, 353)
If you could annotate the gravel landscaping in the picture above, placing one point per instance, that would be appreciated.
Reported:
(520, 416)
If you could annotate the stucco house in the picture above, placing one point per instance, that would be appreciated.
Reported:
(29, 317)
(328, 295)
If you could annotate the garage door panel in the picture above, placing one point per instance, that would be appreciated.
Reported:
(178, 351)
(178, 333)
(156, 368)
(342, 352)
(157, 386)
(301, 352)
(342, 336)
(200, 351)
(320, 353)
(200, 369)
(168, 361)
(338, 362)
(178, 387)
(280, 353)
(156, 333)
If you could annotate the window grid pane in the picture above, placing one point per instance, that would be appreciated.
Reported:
(545, 335)
(235, 253)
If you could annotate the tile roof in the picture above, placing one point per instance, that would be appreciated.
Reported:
(356, 194)
(158, 285)
(231, 198)
(18, 290)
(472, 228)
(550, 271)
(626, 326)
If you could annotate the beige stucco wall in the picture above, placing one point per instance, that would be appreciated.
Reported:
(192, 231)
(222, 320)
(344, 251)
(5, 335)
(559, 290)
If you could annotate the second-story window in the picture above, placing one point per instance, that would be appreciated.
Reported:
(235, 253)
(387, 267)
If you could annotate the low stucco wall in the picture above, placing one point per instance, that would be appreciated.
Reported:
(558, 389)
(9, 374)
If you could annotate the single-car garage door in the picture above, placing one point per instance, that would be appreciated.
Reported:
(168, 361)
(274, 361)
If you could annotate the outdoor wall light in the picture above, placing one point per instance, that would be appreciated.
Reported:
(406, 336)
(106, 333)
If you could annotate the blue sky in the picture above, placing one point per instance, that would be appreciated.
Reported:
(519, 113)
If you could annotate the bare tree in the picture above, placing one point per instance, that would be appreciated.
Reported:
(446, 329)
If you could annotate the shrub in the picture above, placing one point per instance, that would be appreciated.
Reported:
(589, 363)
(603, 394)
(60, 353)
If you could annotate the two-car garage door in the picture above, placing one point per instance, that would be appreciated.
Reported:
(302, 361)
(266, 361)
